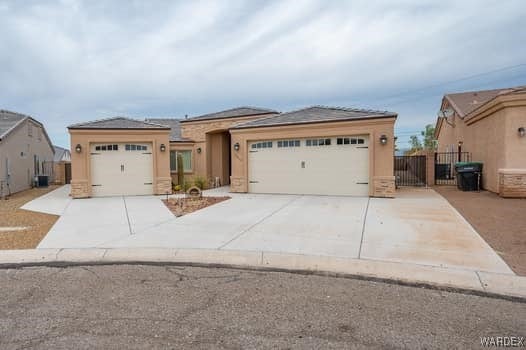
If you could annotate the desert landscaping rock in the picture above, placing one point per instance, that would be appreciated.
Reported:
(187, 205)
(28, 228)
(500, 221)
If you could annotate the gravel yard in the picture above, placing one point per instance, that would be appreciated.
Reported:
(500, 221)
(22, 229)
(183, 206)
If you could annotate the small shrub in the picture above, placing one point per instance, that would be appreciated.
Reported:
(187, 185)
(200, 182)
(177, 188)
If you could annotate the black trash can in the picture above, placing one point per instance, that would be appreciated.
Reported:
(469, 176)
(43, 181)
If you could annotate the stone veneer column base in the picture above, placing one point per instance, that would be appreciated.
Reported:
(512, 183)
(384, 186)
(238, 184)
(80, 189)
(163, 185)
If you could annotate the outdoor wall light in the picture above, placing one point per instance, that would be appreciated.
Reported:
(236, 146)
(521, 131)
(78, 148)
(198, 149)
(163, 147)
(383, 140)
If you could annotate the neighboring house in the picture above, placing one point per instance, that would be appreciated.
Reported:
(25, 151)
(61, 166)
(315, 150)
(491, 126)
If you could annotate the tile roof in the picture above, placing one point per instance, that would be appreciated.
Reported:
(317, 114)
(466, 102)
(8, 120)
(232, 113)
(59, 153)
(173, 124)
(117, 123)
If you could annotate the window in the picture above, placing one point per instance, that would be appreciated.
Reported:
(107, 148)
(289, 143)
(353, 141)
(342, 141)
(263, 144)
(318, 142)
(187, 160)
(130, 147)
(361, 141)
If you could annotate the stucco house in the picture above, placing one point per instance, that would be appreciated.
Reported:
(489, 124)
(61, 166)
(314, 150)
(25, 151)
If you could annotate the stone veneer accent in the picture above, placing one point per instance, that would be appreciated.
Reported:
(163, 185)
(238, 184)
(512, 183)
(80, 189)
(384, 186)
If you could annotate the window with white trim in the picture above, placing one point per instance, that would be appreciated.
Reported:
(318, 142)
(288, 143)
(262, 144)
(107, 148)
(132, 147)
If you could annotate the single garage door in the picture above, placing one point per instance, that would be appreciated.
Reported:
(325, 166)
(121, 169)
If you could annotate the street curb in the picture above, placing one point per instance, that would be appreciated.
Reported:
(502, 286)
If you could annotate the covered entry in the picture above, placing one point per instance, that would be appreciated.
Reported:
(317, 165)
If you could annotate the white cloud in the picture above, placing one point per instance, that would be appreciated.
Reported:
(70, 61)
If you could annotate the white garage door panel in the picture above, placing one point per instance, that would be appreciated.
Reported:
(121, 172)
(330, 170)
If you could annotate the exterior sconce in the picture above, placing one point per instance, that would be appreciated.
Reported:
(163, 147)
(383, 140)
(236, 146)
(521, 131)
(78, 148)
(198, 149)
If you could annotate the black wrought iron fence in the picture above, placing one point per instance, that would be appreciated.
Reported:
(410, 170)
(445, 166)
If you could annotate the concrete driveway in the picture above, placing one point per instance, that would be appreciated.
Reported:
(419, 227)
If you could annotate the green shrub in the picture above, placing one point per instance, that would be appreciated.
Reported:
(186, 185)
(177, 188)
(200, 182)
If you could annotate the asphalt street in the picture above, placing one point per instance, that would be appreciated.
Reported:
(145, 307)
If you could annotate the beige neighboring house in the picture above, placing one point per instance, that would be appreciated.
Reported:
(315, 150)
(25, 152)
(489, 124)
(61, 166)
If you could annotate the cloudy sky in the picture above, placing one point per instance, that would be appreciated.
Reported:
(69, 61)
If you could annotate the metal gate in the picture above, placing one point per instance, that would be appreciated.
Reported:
(410, 170)
(445, 166)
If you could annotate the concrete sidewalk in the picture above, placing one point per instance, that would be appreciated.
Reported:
(481, 283)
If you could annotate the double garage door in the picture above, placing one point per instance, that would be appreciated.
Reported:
(121, 169)
(324, 166)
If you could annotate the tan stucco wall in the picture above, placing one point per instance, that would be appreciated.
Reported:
(491, 137)
(22, 167)
(214, 152)
(80, 162)
(381, 176)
